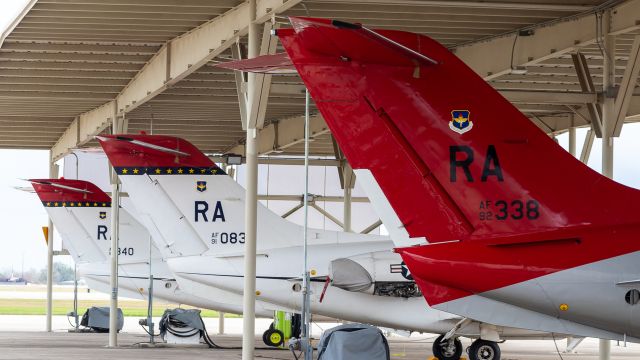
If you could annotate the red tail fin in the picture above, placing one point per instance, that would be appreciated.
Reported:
(454, 158)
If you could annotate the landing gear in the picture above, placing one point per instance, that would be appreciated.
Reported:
(447, 350)
(484, 350)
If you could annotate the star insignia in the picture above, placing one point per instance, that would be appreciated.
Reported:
(104, 204)
(124, 171)
(55, 204)
(48, 204)
(158, 171)
(169, 171)
(180, 171)
(135, 171)
(191, 171)
(202, 171)
(95, 204)
(64, 204)
(87, 204)
(72, 204)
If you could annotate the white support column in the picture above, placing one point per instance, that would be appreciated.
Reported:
(53, 173)
(220, 323)
(115, 233)
(608, 125)
(347, 209)
(608, 122)
(251, 153)
(572, 137)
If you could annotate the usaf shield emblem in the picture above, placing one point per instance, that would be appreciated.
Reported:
(102, 215)
(201, 186)
(460, 121)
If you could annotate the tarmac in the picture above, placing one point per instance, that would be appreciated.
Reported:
(38, 345)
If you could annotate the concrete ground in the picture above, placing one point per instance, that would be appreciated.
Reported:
(64, 346)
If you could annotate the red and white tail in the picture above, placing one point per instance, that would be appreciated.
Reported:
(81, 213)
(190, 204)
(456, 161)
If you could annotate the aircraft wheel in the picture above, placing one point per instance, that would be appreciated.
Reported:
(484, 350)
(447, 350)
(273, 337)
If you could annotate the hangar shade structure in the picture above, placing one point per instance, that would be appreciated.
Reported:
(67, 67)
(70, 69)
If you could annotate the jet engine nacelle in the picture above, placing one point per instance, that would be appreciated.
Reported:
(380, 273)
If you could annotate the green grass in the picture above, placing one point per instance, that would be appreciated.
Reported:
(62, 307)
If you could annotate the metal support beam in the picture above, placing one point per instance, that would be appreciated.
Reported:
(572, 137)
(371, 227)
(327, 214)
(53, 173)
(493, 57)
(627, 86)
(608, 123)
(251, 205)
(241, 82)
(262, 85)
(586, 83)
(293, 210)
(586, 147)
(608, 83)
(279, 136)
(188, 52)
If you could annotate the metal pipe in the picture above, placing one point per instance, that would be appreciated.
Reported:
(251, 205)
(150, 299)
(53, 173)
(306, 292)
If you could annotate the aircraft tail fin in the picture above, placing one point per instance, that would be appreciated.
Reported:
(81, 212)
(454, 158)
(188, 198)
(73, 206)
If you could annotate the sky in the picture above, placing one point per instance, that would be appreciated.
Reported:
(22, 216)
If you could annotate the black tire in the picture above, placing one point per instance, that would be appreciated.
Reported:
(484, 350)
(273, 338)
(264, 334)
(443, 352)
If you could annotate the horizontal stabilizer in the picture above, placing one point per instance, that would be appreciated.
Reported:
(267, 64)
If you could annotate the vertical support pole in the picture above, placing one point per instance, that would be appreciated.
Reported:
(608, 125)
(608, 82)
(604, 349)
(306, 293)
(115, 233)
(572, 137)
(53, 173)
(347, 209)
(220, 323)
(150, 300)
(250, 216)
